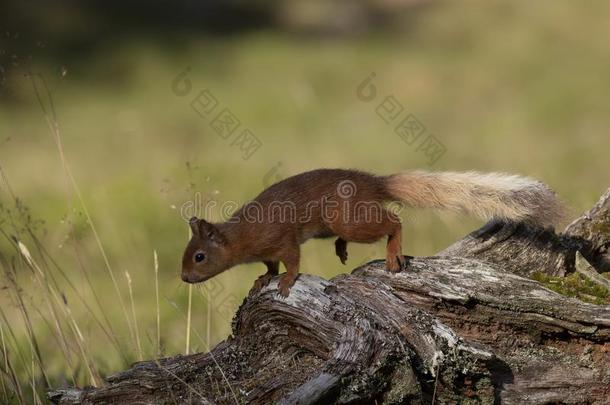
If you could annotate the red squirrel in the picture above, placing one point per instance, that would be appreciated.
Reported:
(351, 206)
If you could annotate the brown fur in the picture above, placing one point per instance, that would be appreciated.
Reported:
(329, 202)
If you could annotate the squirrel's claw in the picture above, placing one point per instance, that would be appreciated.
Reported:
(260, 283)
(284, 285)
(396, 264)
(404, 265)
(284, 291)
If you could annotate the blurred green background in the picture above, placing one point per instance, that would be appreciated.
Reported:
(503, 86)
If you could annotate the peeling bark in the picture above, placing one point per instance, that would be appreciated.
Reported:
(584, 267)
(593, 229)
(463, 326)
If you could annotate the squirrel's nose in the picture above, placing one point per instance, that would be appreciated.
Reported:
(185, 278)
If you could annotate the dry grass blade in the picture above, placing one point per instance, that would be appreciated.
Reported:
(33, 382)
(54, 127)
(9, 372)
(189, 386)
(5, 361)
(175, 306)
(188, 321)
(156, 260)
(67, 313)
(29, 328)
(61, 342)
(107, 329)
(208, 320)
(16, 382)
(59, 332)
(135, 319)
(188, 316)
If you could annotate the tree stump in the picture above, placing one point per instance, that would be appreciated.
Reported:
(465, 326)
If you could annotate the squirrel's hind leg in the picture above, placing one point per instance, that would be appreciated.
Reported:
(368, 229)
(395, 261)
(291, 262)
(341, 249)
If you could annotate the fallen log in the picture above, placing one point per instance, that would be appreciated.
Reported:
(463, 326)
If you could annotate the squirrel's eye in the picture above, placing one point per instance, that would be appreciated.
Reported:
(199, 257)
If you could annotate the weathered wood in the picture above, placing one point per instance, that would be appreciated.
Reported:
(456, 327)
(524, 250)
(584, 267)
(518, 249)
(593, 230)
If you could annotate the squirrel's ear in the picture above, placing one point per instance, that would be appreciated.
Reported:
(211, 232)
(194, 224)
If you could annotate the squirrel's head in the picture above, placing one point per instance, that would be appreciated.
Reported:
(206, 253)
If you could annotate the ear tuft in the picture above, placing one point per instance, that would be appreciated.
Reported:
(194, 224)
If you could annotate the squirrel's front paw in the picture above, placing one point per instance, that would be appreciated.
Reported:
(261, 283)
(286, 282)
(396, 263)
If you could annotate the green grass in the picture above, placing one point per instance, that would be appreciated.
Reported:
(516, 88)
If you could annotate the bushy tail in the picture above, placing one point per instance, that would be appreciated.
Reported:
(485, 195)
